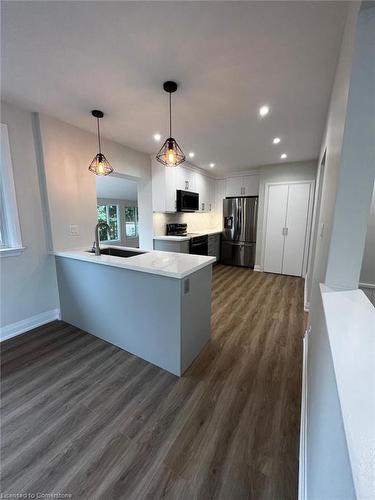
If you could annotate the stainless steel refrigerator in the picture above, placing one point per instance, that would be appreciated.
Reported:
(238, 242)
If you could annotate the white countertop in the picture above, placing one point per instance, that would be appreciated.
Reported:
(350, 319)
(172, 238)
(186, 238)
(173, 265)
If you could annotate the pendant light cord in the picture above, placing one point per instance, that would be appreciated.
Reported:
(100, 146)
(170, 114)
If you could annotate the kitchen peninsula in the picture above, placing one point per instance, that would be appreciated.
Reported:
(156, 305)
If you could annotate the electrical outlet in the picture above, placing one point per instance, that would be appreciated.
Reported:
(74, 229)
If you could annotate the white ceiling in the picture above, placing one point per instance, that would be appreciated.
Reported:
(116, 188)
(66, 58)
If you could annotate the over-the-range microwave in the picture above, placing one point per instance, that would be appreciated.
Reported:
(187, 201)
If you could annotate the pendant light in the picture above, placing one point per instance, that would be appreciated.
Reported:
(100, 165)
(170, 153)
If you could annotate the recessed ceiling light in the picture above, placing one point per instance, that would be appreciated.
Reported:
(212, 165)
(264, 110)
(283, 156)
(276, 140)
(191, 154)
(157, 137)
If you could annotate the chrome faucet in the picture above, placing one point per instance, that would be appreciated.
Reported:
(96, 246)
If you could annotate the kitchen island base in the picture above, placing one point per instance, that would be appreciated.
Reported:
(163, 320)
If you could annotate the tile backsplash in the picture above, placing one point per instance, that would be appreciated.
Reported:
(195, 221)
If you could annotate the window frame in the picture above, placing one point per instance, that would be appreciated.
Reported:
(136, 222)
(10, 217)
(118, 239)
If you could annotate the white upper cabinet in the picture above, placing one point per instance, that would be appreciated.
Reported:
(233, 186)
(185, 179)
(166, 181)
(205, 187)
(163, 188)
(219, 186)
(248, 185)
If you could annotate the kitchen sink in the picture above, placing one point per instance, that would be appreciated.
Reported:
(117, 252)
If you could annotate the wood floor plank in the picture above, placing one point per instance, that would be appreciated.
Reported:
(83, 417)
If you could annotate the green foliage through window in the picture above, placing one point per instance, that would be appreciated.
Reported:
(131, 222)
(108, 214)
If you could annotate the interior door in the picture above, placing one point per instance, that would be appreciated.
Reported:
(296, 228)
(275, 228)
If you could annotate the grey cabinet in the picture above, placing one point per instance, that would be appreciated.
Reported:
(214, 245)
(172, 246)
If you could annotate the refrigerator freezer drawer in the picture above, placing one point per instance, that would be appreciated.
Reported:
(238, 254)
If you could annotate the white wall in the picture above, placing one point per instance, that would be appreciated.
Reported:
(71, 188)
(346, 194)
(368, 261)
(124, 240)
(279, 173)
(332, 142)
(357, 165)
(28, 281)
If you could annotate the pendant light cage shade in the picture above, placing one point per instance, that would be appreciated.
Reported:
(100, 165)
(170, 154)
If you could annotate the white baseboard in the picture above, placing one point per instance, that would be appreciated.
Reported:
(366, 285)
(302, 495)
(14, 329)
(258, 268)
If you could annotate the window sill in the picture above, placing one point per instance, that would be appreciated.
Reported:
(11, 252)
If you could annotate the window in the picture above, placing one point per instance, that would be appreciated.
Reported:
(108, 214)
(131, 222)
(10, 234)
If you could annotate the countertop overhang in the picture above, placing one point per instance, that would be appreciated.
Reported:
(188, 237)
(170, 264)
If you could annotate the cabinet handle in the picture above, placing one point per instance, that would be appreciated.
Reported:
(186, 184)
(285, 231)
(210, 207)
(202, 206)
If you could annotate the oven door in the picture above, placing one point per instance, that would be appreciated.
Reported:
(199, 245)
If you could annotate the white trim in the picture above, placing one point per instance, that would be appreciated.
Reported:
(309, 217)
(258, 269)
(302, 494)
(13, 231)
(367, 285)
(14, 329)
(11, 252)
(306, 304)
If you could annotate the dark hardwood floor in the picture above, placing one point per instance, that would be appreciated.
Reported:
(82, 417)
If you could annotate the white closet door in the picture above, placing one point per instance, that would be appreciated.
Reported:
(276, 217)
(296, 224)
